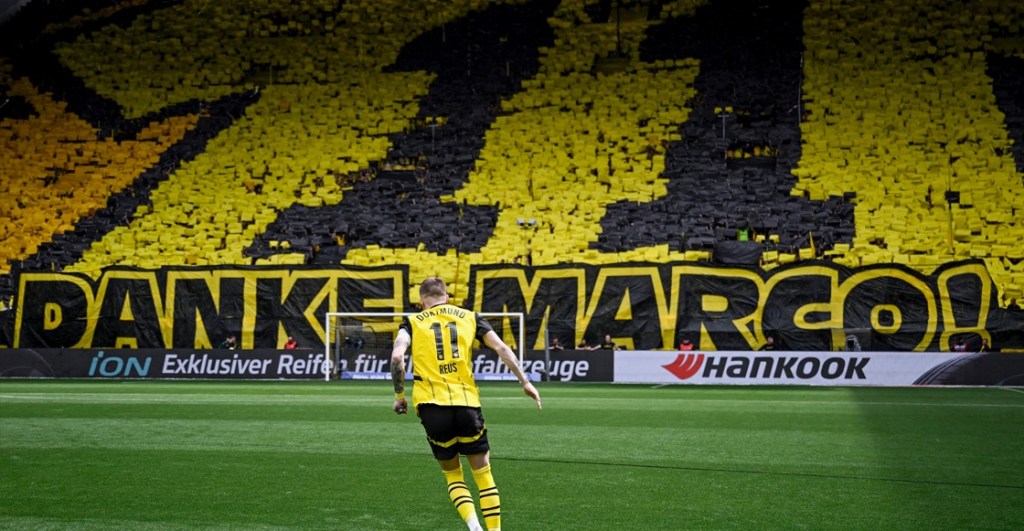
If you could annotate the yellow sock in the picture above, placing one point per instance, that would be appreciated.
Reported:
(462, 499)
(490, 504)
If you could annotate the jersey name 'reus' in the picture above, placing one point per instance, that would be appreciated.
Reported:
(448, 368)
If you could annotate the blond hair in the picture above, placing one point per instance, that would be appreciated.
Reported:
(433, 289)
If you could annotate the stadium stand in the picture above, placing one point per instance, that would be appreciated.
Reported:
(749, 79)
(59, 179)
(902, 110)
(455, 133)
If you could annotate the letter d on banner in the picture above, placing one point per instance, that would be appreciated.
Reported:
(52, 310)
(52, 316)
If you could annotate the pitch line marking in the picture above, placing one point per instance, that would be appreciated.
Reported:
(858, 403)
(768, 473)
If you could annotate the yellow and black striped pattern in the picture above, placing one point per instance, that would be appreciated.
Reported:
(900, 108)
(459, 493)
(490, 502)
(442, 348)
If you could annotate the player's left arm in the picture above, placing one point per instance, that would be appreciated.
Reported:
(400, 406)
(492, 340)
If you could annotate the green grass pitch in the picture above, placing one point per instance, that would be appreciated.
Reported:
(89, 455)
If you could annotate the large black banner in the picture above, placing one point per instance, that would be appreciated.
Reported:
(815, 306)
(197, 307)
(804, 306)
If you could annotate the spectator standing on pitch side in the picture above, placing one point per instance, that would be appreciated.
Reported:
(608, 344)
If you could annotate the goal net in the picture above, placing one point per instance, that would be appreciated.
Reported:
(359, 345)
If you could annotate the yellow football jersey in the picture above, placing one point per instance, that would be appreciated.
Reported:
(442, 355)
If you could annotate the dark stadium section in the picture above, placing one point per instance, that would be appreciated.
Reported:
(1007, 79)
(479, 60)
(750, 60)
(612, 10)
(26, 29)
(14, 107)
(31, 50)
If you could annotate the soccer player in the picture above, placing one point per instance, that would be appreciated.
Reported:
(446, 396)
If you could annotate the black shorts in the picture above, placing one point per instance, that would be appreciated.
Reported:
(454, 430)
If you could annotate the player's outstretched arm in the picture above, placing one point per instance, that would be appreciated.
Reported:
(492, 340)
(400, 406)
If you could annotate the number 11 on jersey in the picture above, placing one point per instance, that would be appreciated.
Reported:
(453, 339)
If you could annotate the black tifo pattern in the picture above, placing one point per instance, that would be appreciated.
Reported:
(750, 60)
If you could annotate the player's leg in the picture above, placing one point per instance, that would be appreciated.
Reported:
(439, 423)
(473, 443)
(459, 493)
(490, 503)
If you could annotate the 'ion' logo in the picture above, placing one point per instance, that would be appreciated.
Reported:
(114, 366)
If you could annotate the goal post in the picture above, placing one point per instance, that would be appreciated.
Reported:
(358, 344)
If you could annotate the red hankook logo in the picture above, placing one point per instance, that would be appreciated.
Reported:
(685, 365)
